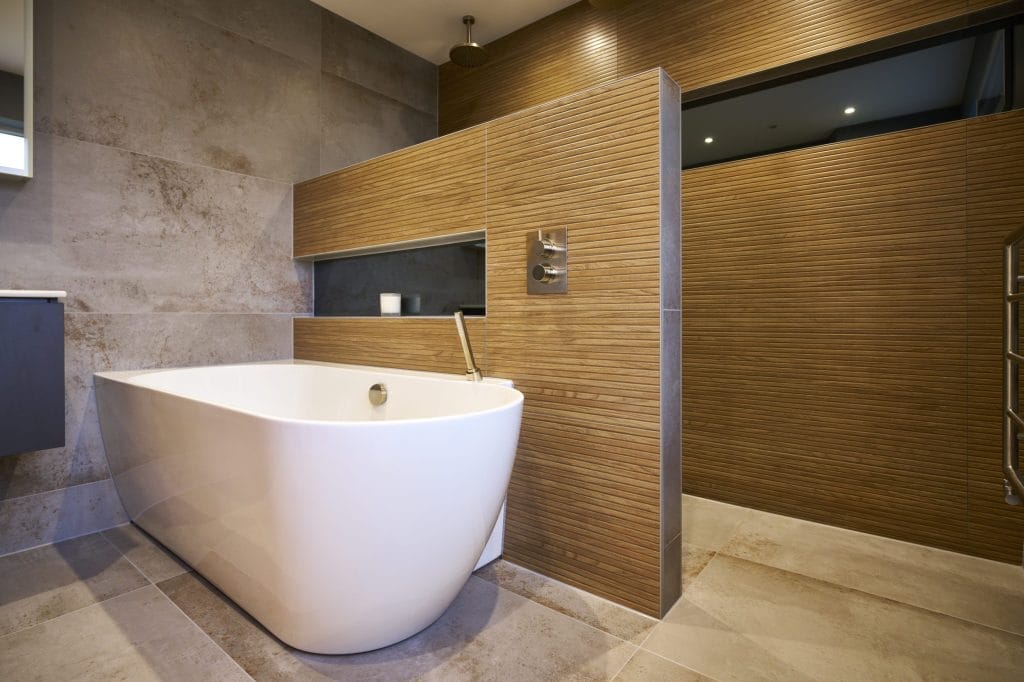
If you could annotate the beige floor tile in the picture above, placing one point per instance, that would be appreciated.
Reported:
(646, 667)
(43, 583)
(488, 634)
(604, 615)
(136, 636)
(742, 620)
(986, 592)
(145, 553)
(710, 524)
(695, 558)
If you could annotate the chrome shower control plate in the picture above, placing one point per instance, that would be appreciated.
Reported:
(547, 261)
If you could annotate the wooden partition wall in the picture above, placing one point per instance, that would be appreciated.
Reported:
(594, 498)
(698, 42)
(842, 326)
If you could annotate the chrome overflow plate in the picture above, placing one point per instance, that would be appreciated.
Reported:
(378, 394)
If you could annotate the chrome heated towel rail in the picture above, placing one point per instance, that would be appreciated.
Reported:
(1013, 423)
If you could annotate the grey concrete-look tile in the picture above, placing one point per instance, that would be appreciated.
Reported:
(33, 508)
(741, 620)
(138, 341)
(136, 636)
(358, 124)
(986, 592)
(602, 614)
(123, 232)
(710, 524)
(288, 26)
(488, 633)
(57, 515)
(355, 54)
(46, 582)
(138, 75)
(646, 667)
(147, 555)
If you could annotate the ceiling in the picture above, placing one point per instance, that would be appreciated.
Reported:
(429, 28)
(810, 110)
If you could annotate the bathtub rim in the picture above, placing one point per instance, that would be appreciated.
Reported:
(125, 377)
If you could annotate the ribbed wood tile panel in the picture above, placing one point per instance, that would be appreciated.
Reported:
(825, 334)
(563, 53)
(428, 190)
(699, 43)
(428, 344)
(583, 506)
(584, 501)
(704, 42)
(995, 192)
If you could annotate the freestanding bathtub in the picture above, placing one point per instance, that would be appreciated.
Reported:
(340, 525)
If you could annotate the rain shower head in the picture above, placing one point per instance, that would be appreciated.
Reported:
(468, 53)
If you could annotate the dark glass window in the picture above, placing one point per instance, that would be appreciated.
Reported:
(959, 78)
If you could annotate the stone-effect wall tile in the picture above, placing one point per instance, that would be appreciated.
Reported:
(168, 133)
(123, 232)
(355, 54)
(288, 26)
(58, 515)
(358, 124)
(100, 342)
(137, 75)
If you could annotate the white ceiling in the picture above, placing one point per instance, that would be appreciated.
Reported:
(429, 28)
(12, 36)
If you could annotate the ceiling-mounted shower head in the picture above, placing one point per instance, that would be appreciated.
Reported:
(468, 53)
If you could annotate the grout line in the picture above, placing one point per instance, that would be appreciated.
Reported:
(123, 555)
(204, 632)
(192, 164)
(677, 663)
(624, 664)
(81, 608)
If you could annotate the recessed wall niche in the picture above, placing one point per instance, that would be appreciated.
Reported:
(444, 279)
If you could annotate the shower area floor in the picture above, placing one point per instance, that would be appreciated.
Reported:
(766, 597)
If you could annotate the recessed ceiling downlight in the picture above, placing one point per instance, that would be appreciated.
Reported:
(850, 110)
(708, 140)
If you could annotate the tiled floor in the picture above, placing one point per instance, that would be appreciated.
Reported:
(766, 597)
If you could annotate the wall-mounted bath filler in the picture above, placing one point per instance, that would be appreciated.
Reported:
(472, 371)
(378, 395)
(468, 53)
(547, 261)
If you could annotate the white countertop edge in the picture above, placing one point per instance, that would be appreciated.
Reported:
(31, 293)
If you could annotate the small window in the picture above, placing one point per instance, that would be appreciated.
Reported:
(959, 78)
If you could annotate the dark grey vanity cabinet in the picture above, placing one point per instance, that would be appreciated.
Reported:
(31, 374)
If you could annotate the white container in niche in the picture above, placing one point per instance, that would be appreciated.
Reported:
(390, 305)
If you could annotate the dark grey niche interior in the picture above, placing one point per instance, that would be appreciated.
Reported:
(446, 279)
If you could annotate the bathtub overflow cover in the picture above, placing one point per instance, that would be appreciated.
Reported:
(378, 395)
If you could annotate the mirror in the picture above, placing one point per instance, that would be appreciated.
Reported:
(16, 88)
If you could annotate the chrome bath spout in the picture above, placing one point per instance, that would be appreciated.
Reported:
(472, 371)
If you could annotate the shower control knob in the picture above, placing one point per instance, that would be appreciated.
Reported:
(546, 273)
(546, 249)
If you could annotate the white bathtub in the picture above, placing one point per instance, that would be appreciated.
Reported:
(340, 526)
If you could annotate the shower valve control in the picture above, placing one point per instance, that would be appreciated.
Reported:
(546, 273)
(547, 261)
